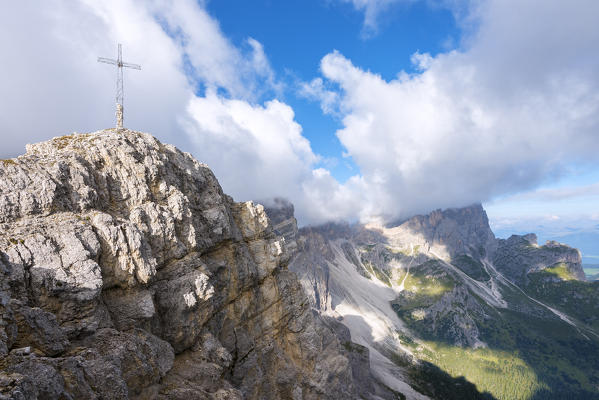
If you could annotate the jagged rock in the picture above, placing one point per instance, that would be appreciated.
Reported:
(40, 329)
(281, 214)
(130, 274)
(448, 232)
(518, 256)
(16, 386)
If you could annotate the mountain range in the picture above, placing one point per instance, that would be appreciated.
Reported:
(442, 304)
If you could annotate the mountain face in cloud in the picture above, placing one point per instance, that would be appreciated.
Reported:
(507, 110)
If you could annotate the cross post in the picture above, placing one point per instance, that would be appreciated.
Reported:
(119, 82)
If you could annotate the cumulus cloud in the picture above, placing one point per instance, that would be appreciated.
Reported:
(212, 60)
(316, 90)
(257, 151)
(504, 114)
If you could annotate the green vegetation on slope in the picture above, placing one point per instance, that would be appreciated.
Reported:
(471, 267)
(562, 359)
(429, 379)
(576, 298)
(424, 286)
(559, 270)
(503, 374)
(427, 289)
(530, 353)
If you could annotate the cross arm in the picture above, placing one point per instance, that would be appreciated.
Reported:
(134, 66)
(107, 60)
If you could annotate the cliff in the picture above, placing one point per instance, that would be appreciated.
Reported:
(128, 273)
(520, 255)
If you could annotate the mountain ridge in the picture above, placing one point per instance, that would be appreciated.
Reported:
(452, 286)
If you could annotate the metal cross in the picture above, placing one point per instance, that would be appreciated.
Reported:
(119, 82)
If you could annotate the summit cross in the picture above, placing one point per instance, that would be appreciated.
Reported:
(119, 82)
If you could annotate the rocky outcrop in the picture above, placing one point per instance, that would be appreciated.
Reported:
(127, 273)
(281, 214)
(453, 231)
(518, 256)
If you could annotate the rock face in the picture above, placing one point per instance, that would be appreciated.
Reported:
(519, 256)
(281, 213)
(127, 273)
(458, 230)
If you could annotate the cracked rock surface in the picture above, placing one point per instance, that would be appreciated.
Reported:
(125, 272)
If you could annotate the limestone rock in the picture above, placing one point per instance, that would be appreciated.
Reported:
(518, 256)
(39, 329)
(126, 272)
(281, 214)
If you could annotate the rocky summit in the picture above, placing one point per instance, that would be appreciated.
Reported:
(127, 273)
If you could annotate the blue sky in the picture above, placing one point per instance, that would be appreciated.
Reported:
(297, 34)
(353, 109)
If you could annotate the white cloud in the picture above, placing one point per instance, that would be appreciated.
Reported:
(501, 116)
(465, 12)
(256, 151)
(213, 60)
(316, 90)
(372, 10)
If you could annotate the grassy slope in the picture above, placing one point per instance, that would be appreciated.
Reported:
(501, 374)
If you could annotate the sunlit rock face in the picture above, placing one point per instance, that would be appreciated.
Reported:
(127, 273)
(454, 231)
